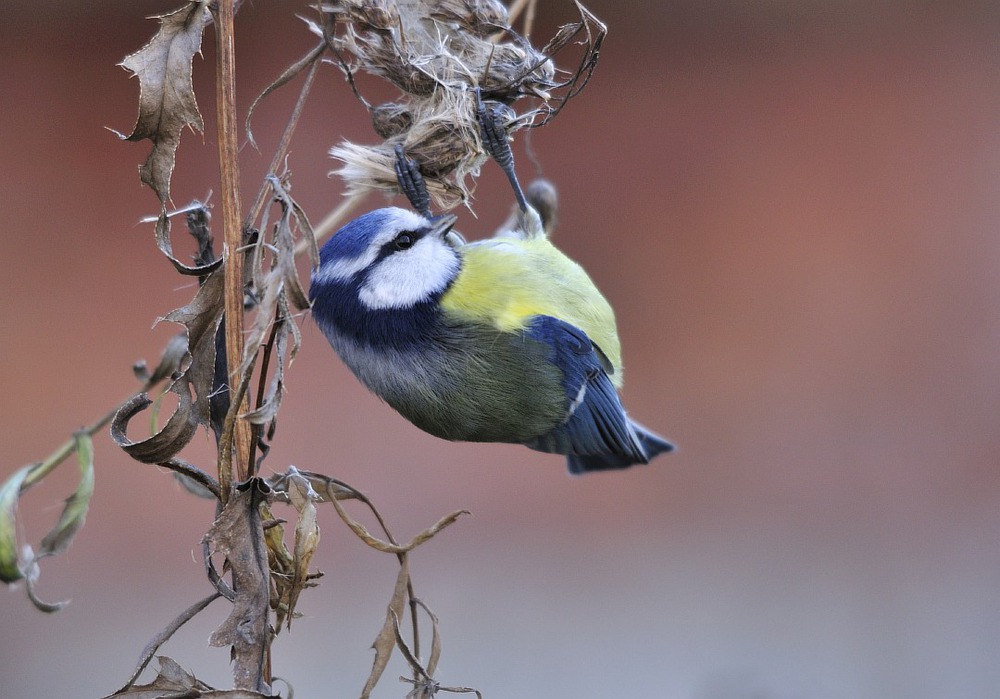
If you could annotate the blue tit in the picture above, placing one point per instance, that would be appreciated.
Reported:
(500, 340)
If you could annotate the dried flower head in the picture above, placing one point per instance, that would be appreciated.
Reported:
(437, 52)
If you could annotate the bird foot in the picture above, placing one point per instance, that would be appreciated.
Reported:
(412, 183)
(494, 137)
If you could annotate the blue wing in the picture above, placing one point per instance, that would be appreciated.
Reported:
(596, 434)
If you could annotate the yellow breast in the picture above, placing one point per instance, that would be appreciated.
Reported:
(506, 281)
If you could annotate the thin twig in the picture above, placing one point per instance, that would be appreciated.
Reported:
(286, 137)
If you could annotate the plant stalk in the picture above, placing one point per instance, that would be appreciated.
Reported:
(228, 130)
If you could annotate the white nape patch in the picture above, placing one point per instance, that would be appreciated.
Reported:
(408, 277)
(345, 268)
(396, 221)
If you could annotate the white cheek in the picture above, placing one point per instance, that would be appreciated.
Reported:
(406, 278)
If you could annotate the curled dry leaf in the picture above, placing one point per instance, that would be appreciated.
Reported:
(193, 386)
(166, 96)
(237, 535)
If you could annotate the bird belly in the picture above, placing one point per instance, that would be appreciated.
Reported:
(468, 384)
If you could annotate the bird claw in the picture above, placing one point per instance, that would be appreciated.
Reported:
(494, 137)
(412, 183)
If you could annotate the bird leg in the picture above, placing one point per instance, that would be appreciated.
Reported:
(494, 137)
(412, 182)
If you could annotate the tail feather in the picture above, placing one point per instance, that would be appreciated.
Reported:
(652, 445)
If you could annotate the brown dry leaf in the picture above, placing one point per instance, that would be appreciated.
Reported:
(169, 440)
(166, 96)
(386, 639)
(174, 353)
(201, 317)
(281, 289)
(388, 547)
(415, 667)
(435, 655)
(165, 246)
(237, 535)
(174, 681)
(309, 59)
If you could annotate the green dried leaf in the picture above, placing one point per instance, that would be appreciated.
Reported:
(166, 95)
(20, 563)
(10, 555)
(75, 510)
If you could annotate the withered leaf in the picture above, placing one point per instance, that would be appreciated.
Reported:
(238, 536)
(10, 554)
(385, 642)
(174, 681)
(163, 445)
(75, 510)
(174, 353)
(435, 655)
(281, 288)
(166, 247)
(18, 563)
(387, 546)
(166, 95)
(201, 317)
(303, 499)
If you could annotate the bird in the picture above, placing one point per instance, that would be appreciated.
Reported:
(499, 340)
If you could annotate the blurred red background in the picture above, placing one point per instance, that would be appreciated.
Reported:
(793, 208)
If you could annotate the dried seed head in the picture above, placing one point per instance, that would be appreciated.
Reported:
(437, 52)
(391, 119)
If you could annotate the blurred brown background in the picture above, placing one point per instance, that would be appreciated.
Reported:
(793, 207)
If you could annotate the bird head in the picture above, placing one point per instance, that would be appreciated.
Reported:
(381, 276)
(390, 259)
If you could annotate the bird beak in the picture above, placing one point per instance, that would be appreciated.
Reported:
(441, 226)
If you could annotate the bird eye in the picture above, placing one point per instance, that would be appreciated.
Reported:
(404, 241)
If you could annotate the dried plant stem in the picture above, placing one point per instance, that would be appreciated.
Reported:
(233, 238)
